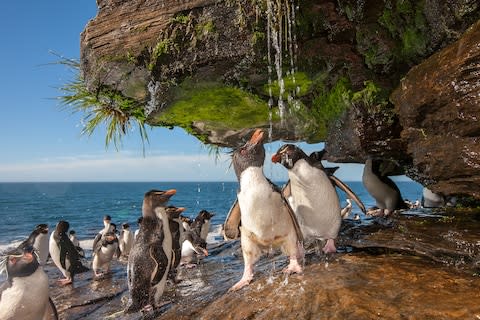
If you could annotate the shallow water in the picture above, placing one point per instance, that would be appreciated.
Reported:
(417, 265)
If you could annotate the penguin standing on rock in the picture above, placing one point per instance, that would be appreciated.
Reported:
(25, 293)
(202, 223)
(125, 240)
(64, 254)
(267, 220)
(314, 198)
(103, 253)
(150, 258)
(177, 232)
(38, 239)
(382, 189)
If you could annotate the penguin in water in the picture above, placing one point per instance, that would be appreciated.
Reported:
(64, 254)
(151, 255)
(125, 240)
(25, 293)
(202, 223)
(103, 254)
(267, 220)
(314, 198)
(38, 239)
(382, 189)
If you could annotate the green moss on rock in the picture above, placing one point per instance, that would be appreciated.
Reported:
(215, 105)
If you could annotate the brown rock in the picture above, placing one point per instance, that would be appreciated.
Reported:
(438, 103)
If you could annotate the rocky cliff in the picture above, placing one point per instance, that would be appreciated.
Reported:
(394, 79)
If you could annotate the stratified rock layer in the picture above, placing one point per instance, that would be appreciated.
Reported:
(438, 103)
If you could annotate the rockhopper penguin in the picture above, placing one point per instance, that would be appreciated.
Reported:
(25, 293)
(267, 220)
(38, 239)
(150, 258)
(64, 254)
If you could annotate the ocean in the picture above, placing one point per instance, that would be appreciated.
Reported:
(83, 205)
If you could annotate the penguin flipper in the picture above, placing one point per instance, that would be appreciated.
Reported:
(231, 227)
(97, 244)
(296, 225)
(157, 254)
(340, 184)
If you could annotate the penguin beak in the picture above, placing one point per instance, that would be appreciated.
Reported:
(256, 138)
(170, 192)
(181, 209)
(276, 158)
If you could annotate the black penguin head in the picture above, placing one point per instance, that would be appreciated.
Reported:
(62, 227)
(251, 154)
(155, 198)
(288, 155)
(204, 215)
(125, 226)
(19, 263)
(42, 228)
(173, 212)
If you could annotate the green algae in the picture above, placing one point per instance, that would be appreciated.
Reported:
(299, 83)
(215, 105)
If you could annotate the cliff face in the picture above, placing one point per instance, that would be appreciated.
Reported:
(213, 68)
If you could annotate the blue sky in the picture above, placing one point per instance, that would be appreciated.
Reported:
(41, 142)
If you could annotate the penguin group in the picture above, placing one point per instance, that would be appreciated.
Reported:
(158, 249)
(307, 210)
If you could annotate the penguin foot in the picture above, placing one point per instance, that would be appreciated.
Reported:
(293, 267)
(329, 246)
(64, 282)
(240, 284)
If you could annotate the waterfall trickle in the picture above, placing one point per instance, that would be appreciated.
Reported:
(281, 36)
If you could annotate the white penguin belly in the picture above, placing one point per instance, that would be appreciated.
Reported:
(42, 247)
(315, 201)
(54, 250)
(384, 195)
(262, 210)
(104, 256)
(27, 298)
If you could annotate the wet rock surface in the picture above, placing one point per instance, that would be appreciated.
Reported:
(416, 265)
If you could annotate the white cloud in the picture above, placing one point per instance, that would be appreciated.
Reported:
(121, 167)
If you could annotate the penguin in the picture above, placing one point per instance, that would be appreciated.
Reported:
(431, 199)
(382, 189)
(151, 255)
(314, 198)
(139, 221)
(267, 220)
(177, 232)
(108, 226)
(192, 247)
(125, 240)
(347, 209)
(38, 239)
(103, 253)
(186, 222)
(25, 293)
(64, 254)
(72, 235)
(202, 223)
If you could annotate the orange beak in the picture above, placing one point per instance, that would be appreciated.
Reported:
(257, 137)
(170, 192)
(276, 158)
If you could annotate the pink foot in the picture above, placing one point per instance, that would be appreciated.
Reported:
(240, 284)
(329, 246)
(64, 282)
(246, 278)
(293, 267)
